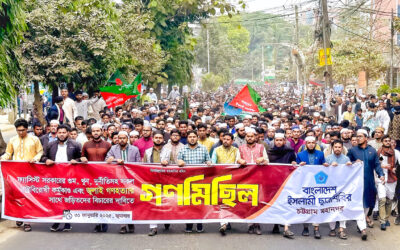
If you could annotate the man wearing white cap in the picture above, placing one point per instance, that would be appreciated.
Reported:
(152, 95)
(367, 154)
(281, 153)
(133, 136)
(240, 134)
(311, 156)
(174, 93)
(252, 153)
(52, 136)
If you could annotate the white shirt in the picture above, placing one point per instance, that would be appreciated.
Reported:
(153, 96)
(81, 138)
(69, 110)
(61, 155)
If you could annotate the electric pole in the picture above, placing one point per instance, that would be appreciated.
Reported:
(298, 71)
(326, 34)
(391, 50)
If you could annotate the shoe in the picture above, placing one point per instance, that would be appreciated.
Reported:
(131, 228)
(317, 234)
(393, 213)
(251, 229)
(375, 215)
(364, 235)
(199, 228)
(166, 227)
(189, 228)
(152, 232)
(54, 227)
(332, 233)
(19, 223)
(275, 230)
(97, 229)
(305, 232)
(27, 228)
(257, 229)
(67, 227)
(288, 234)
(222, 230)
(370, 224)
(342, 235)
(228, 227)
(387, 223)
(383, 227)
(104, 228)
(397, 220)
(123, 230)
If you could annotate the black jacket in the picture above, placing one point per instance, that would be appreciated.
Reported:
(73, 151)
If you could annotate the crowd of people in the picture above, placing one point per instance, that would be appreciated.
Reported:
(325, 128)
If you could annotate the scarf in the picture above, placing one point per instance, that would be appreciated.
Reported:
(389, 153)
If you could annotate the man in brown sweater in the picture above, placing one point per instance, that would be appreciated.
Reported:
(96, 150)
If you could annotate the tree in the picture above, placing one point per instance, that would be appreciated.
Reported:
(12, 25)
(212, 81)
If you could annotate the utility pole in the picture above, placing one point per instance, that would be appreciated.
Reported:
(296, 37)
(391, 49)
(326, 34)
(208, 52)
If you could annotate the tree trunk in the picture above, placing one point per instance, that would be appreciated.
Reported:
(158, 90)
(38, 104)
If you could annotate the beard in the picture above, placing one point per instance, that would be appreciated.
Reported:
(157, 144)
(192, 144)
(311, 150)
(66, 138)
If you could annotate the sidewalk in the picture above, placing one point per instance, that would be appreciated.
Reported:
(5, 126)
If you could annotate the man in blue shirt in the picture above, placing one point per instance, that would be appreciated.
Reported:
(311, 156)
(335, 159)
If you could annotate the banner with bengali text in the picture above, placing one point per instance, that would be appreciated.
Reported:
(150, 193)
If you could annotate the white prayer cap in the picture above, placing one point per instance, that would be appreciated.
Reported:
(151, 89)
(362, 131)
(152, 109)
(96, 125)
(134, 133)
(284, 114)
(206, 107)
(279, 136)
(135, 110)
(170, 119)
(306, 105)
(223, 125)
(123, 133)
(310, 139)
(85, 94)
(247, 117)
(274, 122)
(344, 130)
(249, 130)
(146, 123)
(171, 126)
(56, 122)
(239, 125)
(316, 114)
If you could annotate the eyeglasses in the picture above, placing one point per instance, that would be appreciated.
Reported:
(21, 130)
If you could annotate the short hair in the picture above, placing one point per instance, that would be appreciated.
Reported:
(138, 121)
(334, 133)
(21, 122)
(260, 131)
(36, 124)
(158, 132)
(192, 132)
(105, 114)
(228, 134)
(222, 131)
(385, 137)
(114, 134)
(117, 109)
(58, 99)
(201, 125)
(63, 126)
(184, 122)
(88, 130)
(79, 118)
(175, 131)
(336, 142)
(74, 129)
(161, 120)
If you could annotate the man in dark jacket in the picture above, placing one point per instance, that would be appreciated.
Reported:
(56, 111)
(280, 153)
(50, 137)
(62, 150)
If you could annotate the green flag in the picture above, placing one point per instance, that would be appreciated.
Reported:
(117, 78)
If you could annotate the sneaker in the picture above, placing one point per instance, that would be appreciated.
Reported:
(257, 229)
(222, 230)
(288, 234)
(166, 227)
(275, 230)
(383, 227)
(67, 227)
(375, 215)
(364, 235)
(387, 223)
(189, 229)
(332, 233)
(228, 227)
(123, 230)
(251, 229)
(305, 232)
(153, 232)
(131, 228)
(19, 223)
(54, 227)
(397, 220)
(97, 229)
(317, 234)
(199, 228)
(393, 213)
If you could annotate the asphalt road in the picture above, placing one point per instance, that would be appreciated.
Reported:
(81, 237)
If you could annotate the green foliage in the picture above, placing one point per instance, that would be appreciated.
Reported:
(212, 81)
(385, 89)
(12, 25)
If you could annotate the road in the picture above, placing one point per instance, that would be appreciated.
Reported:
(8, 134)
(81, 238)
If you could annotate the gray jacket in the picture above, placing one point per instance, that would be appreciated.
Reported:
(133, 153)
